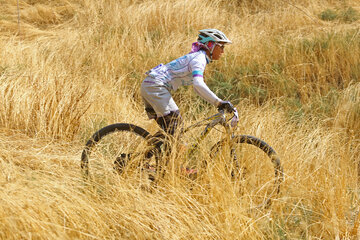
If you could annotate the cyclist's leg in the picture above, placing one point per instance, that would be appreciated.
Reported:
(170, 122)
(157, 138)
(149, 110)
(159, 102)
(157, 99)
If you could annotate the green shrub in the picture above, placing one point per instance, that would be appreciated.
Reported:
(328, 15)
(347, 15)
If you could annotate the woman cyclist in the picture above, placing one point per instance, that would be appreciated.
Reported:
(186, 70)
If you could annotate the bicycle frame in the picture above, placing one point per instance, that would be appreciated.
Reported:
(215, 119)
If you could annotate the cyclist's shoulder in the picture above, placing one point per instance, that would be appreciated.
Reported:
(197, 57)
(201, 54)
(198, 60)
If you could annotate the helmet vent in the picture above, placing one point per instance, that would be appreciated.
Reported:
(218, 36)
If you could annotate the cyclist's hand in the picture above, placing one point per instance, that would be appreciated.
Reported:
(226, 105)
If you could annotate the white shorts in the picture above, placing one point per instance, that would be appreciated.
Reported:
(158, 97)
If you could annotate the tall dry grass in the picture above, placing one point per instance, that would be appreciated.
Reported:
(71, 67)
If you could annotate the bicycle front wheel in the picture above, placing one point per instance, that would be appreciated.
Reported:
(119, 149)
(254, 168)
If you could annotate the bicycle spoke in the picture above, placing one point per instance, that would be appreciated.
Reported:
(120, 152)
(253, 169)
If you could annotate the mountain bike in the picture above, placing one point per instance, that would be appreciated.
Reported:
(130, 151)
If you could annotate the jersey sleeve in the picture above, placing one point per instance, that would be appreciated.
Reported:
(204, 91)
(197, 66)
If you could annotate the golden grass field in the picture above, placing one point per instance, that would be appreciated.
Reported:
(70, 67)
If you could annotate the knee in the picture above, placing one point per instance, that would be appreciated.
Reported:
(170, 122)
(150, 112)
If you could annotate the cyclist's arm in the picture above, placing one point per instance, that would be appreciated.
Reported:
(197, 67)
(204, 91)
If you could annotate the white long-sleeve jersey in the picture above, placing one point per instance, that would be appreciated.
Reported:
(184, 71)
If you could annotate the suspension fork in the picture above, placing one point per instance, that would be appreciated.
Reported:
(229, 136)
(233, 154)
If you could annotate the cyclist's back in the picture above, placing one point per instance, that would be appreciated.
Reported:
(180, 72)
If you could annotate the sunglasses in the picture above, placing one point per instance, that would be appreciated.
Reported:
(222, 46)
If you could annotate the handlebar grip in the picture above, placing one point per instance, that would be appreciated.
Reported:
(226, 105)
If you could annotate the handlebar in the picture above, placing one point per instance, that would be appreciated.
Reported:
(216, 119)
(234, 119)
(234, 111)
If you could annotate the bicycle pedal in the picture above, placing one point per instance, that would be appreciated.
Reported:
(151, 171)
(190, 173)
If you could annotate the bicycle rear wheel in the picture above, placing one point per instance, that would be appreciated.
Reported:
(254, 168)
(120, 149)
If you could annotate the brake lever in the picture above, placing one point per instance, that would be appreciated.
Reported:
(235, 119)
